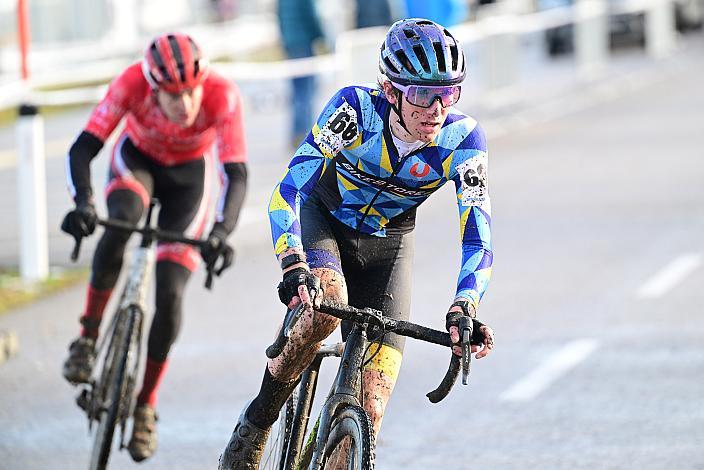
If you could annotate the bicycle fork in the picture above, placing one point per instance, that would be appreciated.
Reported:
(346, 390)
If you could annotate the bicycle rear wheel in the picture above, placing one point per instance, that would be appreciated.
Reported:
(351, 437)
(111, 387)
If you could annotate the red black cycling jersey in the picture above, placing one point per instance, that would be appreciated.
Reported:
(219, 125)
(219, 120)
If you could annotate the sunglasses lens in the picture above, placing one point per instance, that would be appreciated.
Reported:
(425, 96)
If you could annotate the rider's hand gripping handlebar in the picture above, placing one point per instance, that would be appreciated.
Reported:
(148, 233)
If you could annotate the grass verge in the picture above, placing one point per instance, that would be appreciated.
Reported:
(14, 292)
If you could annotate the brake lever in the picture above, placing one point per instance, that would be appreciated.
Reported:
(290, 320)
(295, 315)
(209, 279)
(465, 329)
(76, 248)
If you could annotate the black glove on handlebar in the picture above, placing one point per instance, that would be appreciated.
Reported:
(453, 319)
(288, 288)
(217, 248)
(81, 221)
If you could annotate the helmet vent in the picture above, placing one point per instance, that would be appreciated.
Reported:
(422, 22)
(159, 63)
(390, 65)
(455, 56)
(196, 56)
(420, 53)
(178, 57)
(440, 54)
(401, 56)
(410, 34)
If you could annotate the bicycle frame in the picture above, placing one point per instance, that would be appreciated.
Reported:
(346, 389)
(111, 392)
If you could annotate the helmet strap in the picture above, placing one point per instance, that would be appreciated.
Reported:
(397, 110)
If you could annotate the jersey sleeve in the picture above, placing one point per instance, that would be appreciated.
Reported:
(115, 104)
(229, 127)
(471, 183)
(336, 128)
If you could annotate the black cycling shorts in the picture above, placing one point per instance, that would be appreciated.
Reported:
(377, 270)
(184, 192)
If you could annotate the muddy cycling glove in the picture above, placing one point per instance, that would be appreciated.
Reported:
(288, 288)
(468, 310)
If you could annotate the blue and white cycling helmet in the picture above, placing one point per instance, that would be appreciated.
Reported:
(417, 51)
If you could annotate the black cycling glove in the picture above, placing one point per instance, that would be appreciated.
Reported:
(81, 221)
(216, 247)
(468, 310)
(288, 288)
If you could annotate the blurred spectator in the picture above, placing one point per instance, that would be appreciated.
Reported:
(300, 28)
(224, 9)
(444, 12)
(373, 13)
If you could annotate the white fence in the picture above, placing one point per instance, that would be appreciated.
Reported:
(496, 40)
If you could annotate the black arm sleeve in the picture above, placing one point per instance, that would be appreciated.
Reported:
(83, 150)
(232, 197)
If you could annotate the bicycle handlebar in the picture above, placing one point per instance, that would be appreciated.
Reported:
(148, 232)
(401, 327)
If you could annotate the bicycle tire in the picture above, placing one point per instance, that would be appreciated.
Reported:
(274, 456)
(111, 388)
(351, 421)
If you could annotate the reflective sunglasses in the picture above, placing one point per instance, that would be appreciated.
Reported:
(425, 96)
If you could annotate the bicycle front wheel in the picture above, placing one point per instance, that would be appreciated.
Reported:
(274, 456)
(111, 388)
(350, 441)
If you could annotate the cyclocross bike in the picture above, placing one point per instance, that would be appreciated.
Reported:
(343, 425)
(108, 398)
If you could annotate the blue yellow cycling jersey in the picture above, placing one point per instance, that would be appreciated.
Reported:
(349, 158)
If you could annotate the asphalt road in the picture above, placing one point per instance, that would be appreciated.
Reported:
(594, 195)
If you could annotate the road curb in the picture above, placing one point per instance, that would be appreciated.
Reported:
(9, 345)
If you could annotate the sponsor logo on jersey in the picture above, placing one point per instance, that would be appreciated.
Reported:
(384, 184)
(424, 170)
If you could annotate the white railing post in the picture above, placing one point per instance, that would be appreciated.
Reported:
(358, 55)
(591, 37)
(124, 28)
(660, 34)
(31, 187)
(498, 54)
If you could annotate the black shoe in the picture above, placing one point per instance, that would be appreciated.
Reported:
(81, 358)
(142, 445)
(246, 446)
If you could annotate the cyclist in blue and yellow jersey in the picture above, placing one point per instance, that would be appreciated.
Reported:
(344, 213)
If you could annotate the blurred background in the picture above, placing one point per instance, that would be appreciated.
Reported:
(590, 109)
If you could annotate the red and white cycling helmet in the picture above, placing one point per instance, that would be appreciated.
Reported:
(173, 62)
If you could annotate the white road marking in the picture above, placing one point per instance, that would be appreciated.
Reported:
(669, 276)
(557, 364)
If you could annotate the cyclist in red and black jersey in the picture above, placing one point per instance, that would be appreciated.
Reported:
(175, 109)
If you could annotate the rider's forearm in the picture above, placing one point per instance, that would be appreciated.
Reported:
(232, 195)
(84, 149)
(287, 199)
(477, 254)
(475, 274)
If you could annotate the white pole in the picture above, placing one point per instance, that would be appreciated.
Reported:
(591, 37)
(125, 25)
(498, 56)
(31, 184)
(660, 32)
